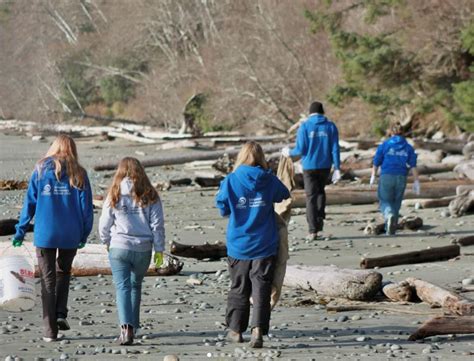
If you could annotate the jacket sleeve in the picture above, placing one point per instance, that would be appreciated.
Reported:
(281, 192)
(106, 221)
(29, 207)
(157, 225)
(87, 209)
(301, 147)
(222, 198)
(412, 157)
(379, 153)
(336, 153)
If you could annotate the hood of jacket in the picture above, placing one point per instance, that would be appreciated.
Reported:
(317, 118)
(397, 142)
(253, 178)
(126, 186)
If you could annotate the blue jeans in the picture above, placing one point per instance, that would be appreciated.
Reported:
(128, 269)
(390, 193)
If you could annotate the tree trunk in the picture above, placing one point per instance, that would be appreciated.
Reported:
(203, 251)
(399, 292)
(335, 282)
(426, 255)
(436, 296)
(444, 325)
(7, 227)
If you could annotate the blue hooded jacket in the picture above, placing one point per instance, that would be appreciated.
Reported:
(63, 214)
(247, 196)
(395, 156)
(317, 142)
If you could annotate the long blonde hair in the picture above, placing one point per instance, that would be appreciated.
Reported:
(63, 152)
(143, 192)
(251, 154)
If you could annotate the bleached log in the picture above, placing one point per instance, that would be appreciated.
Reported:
(465, 169)
(334, 282)
(399, 292)
(444, 325)
(464, 188)
(436, 296)
(425, 255)
(428, 203)
(448, 146)
(431, 168)
(462, 204)
(132, 137)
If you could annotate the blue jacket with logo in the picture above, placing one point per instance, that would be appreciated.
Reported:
(247, 196)
(395, 156)
(317, 142)
(63, 214)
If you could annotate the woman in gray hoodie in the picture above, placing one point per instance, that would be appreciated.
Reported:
(131, 225)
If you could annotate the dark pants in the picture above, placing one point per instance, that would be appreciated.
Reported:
(55, 277)
(250, 278)
(314, 183)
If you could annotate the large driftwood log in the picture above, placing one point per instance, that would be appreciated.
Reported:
(93, 260)
(422, 169)
(399, 292)
(466, 241)
(444, 325)
(448, 146)
(426, 255)
(202, 251)
(186, 157)
(436, 296)
(335, 282)
(462, 204)
(411, 223)
(7, 227)
(428, 203)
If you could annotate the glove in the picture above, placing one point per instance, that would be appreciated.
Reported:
(416, 187)
(158, 259)
(285, 152)
(17, 242)
(336, 176)
(81, 245)
(372, 180)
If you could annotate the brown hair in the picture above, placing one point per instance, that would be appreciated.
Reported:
(143, 192)
(63, 152)
(251, 154)
(396, 129)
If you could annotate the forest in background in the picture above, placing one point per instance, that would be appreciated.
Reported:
(253, 65)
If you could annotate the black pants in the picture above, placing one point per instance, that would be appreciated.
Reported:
(314, 183)
(55, 278)
(250, 278)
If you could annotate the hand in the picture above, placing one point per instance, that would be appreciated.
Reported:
(416, 187)
(158, 259)
(286, 152)
(372, 180)
(336, 176)
(81, 245)
(17, 242)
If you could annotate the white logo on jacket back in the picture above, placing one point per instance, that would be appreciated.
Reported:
(242, 203)
(46, 190)
(252, 203)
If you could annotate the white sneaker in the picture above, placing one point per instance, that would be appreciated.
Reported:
(50, 339)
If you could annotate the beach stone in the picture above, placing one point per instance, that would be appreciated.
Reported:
(426, 350)
(361, 339)
(342, 319)
(395, 347)
(356, 317)
(64, 356)
(171, 358)
(467, 281)
(80, 287)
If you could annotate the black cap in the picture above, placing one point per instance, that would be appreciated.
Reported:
(316, 107)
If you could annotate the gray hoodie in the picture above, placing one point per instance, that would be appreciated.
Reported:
(129, 226)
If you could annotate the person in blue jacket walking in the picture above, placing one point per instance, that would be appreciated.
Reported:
(396, 157)
(59, 197)
(246, 196)
(317, 143)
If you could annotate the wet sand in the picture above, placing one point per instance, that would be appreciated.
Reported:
(188, 320)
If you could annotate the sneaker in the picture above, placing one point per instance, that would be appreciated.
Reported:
(256, 341)
(63, 325)
(53, 339)
(391, 225)
(235, 337)
(126, 335)
(312, 236)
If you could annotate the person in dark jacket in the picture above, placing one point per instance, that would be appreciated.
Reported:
(395, 157)
(317, 143)
(59, 197)
(246, 196)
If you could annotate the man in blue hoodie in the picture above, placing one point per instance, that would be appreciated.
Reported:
(317, 143)
(396, 157)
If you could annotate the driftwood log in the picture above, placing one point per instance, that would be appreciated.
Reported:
(422, 169)
(448, 146)
(93, 260)
(9, 184)
(186, 157)
(428, 203)
(399, 292)
(426, 255)
(466, 241)
(7, 227)
(444, 325)
(411, 223)
(462, 204)
(437, 297)
(335, 282)
(202, 251)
